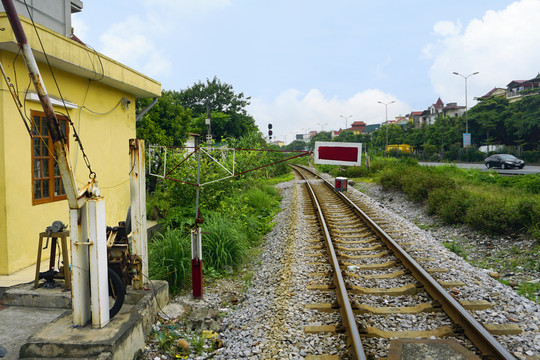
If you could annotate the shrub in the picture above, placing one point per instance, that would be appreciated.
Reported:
(450, 204)
(526, 213)
(492, 216)
(416, 181)
(530, 156)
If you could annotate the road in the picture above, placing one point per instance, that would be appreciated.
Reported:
(528, 169)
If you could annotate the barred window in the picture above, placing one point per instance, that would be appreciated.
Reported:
(46, 180)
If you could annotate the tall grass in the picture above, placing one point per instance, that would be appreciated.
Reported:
(169, 258)
(224, 243)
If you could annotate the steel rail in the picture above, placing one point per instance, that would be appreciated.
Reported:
(477, 333)
(345, 308)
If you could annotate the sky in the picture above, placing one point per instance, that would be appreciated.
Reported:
(320, 65)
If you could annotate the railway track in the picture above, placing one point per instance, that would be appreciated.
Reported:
(389, 293)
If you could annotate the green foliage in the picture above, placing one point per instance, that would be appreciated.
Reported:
(416, 181)
(169, 258)
(166, 123)
(166, 340)
(224, 243)
(236, 212)
(485, 201)
(448, 203)
(456, 248)
(220, 97)
(530, 290)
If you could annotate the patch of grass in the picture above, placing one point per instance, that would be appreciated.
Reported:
(169, 258)
(224, 243)
(530, 290)
(456, 248)
(167, 341)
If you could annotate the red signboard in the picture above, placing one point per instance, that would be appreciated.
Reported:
(336, 153)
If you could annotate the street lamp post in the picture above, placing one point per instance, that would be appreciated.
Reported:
(466, 105)
(345, 117)
(322, 126)
(386, 118)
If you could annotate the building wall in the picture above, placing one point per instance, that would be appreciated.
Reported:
(55, 15)
(3, 244)
(105, 140)
(104, 123)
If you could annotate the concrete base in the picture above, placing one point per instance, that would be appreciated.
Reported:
(122, 338)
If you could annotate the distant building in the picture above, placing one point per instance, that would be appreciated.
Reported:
(518, 89)
(439, 109)
(303, 137)
(417, 118)
(278, 143)
(357, 127)
(335, 133)
(495, 92)
(371, 128)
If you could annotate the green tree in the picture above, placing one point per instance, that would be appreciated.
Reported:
(297, 145)
(217, 101)
(218, 96)
(322, 136)
(166, 123)
(523, 122)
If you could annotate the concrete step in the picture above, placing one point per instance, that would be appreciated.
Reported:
(122, 338)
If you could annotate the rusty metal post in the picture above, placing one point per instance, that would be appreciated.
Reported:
(59, 143)
(137, 178)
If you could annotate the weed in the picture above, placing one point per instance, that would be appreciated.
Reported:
(167, 341)
(197, 343)
(456, 248)
(530, 290)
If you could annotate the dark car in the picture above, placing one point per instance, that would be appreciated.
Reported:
(504, 161)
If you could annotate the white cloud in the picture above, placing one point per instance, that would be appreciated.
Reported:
(293, 112)
(132, 42)
(447, 28)
(502, 46)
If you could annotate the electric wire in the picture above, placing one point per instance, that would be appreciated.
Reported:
(75, 134)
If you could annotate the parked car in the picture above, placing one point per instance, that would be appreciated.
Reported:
(504, 161)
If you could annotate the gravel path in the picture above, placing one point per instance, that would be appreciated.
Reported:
(267, 320)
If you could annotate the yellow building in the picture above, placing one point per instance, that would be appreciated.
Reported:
(100, 98)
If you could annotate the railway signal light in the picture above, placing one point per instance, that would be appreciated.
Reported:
(270, 132)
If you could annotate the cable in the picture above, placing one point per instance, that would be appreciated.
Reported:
(75, 134)
(167, 317)
(105, 113)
